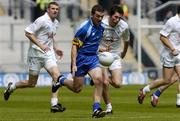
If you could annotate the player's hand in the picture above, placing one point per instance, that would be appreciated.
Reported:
(104, 49)
(175, 52)
(59, 53)
(123, 54)
(45, 48)
(73, 70)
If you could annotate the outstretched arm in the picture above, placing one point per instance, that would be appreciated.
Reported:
(34, 40)
(73, 56)
(123, 53)
(58, 51)
(125, 37)
(168, 44)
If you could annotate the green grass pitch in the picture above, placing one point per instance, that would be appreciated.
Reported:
(34, 105)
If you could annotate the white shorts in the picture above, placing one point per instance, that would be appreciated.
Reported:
(169, 60)
(38, 60)
(116, 63)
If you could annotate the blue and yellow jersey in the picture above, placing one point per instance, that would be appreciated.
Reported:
(87, 37)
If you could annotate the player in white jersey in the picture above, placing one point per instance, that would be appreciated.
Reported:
(170, 59)
(41, 53)
(116, 31)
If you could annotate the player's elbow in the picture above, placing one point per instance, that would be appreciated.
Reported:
(162, 38)
(27, 34)
(117, 85)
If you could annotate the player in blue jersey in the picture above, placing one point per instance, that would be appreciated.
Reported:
(84, 59)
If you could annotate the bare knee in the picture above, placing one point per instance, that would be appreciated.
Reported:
(77, 88)
(98, 81)
(77, 84)
(31, 85)
(32, 80)
(26, 83)
(117, 84)
(166, 82)
(106, 83)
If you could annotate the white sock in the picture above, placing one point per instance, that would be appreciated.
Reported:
(108, 107)
(146, 89)
(178, 96)
(178, 99)
(54, 101)
(13, 87)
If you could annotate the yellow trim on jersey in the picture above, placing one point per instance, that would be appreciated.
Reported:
(77, 42)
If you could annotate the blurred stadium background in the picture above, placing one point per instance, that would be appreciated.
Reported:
(142, 63)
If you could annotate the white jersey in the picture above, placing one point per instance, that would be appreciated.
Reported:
(44, 29)
(172, 31)
(112, 35)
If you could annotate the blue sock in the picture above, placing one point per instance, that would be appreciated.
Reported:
(96, 106)
(157, 93)
(61, 79)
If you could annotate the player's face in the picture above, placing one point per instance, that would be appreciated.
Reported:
(115, 18)
(97, 17)
(53, 11)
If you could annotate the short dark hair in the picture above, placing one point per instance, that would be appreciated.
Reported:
(98, 8)
(178, 9)
(52, 3)
(115, 9)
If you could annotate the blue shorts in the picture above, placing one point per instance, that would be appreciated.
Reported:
(86, 63)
